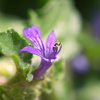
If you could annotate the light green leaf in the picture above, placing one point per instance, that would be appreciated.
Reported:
(10, 44)
(29, 77)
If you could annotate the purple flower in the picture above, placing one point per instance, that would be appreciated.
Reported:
(48, 53)
(80, 64)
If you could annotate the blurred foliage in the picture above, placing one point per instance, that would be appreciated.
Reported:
(87, 7)
(20, 8)
(11, 21)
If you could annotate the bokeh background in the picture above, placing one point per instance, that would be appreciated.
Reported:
(76, 76)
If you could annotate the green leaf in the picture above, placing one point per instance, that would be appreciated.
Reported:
(29, 77)
(10, 44)
(58, 68)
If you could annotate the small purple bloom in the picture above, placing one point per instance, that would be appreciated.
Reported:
(48, 53)
(80, 64)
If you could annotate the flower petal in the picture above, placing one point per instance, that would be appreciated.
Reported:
(51, 40)
(33, 34)
(53, 54)
(42, 69)
(36, 29)
(32, 50)
(29, 34)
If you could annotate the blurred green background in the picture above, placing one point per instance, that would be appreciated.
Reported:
(76, 76)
